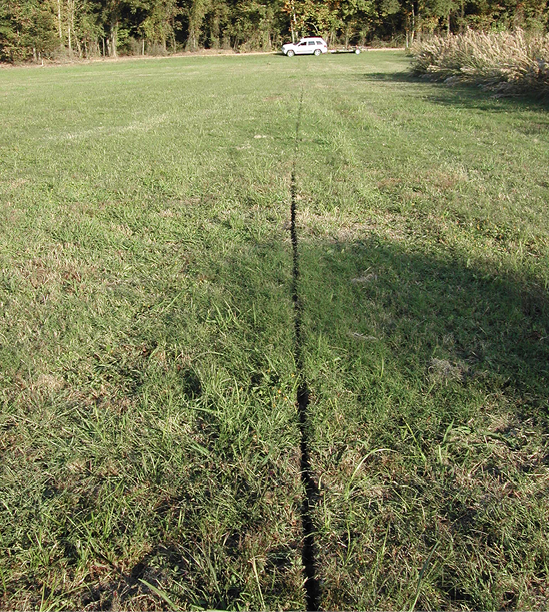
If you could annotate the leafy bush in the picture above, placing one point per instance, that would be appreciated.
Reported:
(507, 62)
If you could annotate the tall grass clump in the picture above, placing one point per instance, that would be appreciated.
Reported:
(506, 62)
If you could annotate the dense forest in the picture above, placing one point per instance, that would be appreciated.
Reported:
(65, 29)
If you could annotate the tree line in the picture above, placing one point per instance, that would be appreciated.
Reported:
(38, 29)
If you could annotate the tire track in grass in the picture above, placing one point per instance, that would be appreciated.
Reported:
(308, 554)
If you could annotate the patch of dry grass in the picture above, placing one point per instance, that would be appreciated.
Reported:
(506, 62)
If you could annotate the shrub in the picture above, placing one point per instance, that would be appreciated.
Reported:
(506, 62)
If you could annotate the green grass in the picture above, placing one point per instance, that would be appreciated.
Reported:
(148, 433)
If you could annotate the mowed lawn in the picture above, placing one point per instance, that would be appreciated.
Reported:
(149, 436)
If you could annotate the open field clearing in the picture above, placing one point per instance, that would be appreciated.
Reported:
(149, 436)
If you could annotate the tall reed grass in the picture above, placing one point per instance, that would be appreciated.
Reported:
(506, 62)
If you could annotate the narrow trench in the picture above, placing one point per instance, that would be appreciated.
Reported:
(308, 554)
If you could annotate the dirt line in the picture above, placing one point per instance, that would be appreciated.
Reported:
(308, 554)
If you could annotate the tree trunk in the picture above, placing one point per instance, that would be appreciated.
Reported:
(293, 24)
(74, 32)
(215, 31)
(413, 26)
(113, 51)
(70, 24)
(59, 20)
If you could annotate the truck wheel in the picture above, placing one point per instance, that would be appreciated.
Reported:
(290, 53)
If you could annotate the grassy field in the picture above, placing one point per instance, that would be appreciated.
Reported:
(149, 438)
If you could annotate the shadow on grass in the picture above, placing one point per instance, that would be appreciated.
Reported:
(462, 95)
(444, 363)
(424, 306)
(458, 342)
